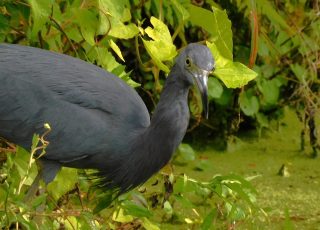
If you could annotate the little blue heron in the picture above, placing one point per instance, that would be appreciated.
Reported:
(97, 120)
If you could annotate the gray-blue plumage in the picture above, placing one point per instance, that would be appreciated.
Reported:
(97, 120)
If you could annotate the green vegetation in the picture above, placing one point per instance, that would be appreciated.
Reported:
(204, 189)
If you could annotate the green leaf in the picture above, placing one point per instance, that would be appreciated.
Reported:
(116, 49)
(215, 89)
(220, 61)
(135, 210)
(148, 225)
(64, 182)
(88, 24)
(4, 23)
(119, 216)
(217, 24)
(161, 48)
(299, 71)
(113, 15)
(183, 201)
(208, 220)
(105, 59)
(41, 10)
(159, 31)
(249, 103)
(186, 152)
(183, 12)
(21, 162)
(270, 90)
(232, 74)
(104, 201)
(235, 74)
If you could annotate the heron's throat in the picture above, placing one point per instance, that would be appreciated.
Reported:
(169, 122)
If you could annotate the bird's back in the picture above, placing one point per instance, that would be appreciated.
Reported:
(90, 110)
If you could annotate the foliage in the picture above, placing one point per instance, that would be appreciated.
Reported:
(137, 40)
(174, 199)
(288, 62)
(118, 39)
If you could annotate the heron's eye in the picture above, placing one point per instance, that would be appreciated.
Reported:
(188, 62)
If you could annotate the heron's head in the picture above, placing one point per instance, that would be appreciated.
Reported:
(196, 63)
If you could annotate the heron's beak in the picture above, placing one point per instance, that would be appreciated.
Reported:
(201, 79)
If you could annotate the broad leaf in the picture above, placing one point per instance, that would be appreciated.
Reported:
(217, 24)
(113, 16)
(161, 48)
(270, 90)
(232, 74)
(249, 103)
(235, 74)
(87, 21)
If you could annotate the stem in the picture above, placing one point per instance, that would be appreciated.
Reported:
(254, 35)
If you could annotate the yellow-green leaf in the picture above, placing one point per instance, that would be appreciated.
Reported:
(119, 216)
(235, 74)
(159, 31)
(148, 225)
(113, 15)
(161, 48)
(232, 74)
(116, 49)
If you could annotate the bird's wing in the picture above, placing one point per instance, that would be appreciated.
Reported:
(89, 109)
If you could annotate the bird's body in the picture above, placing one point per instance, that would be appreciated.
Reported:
(97, 120)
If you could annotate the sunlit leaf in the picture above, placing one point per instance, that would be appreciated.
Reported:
(113, 16)
(161, 48)
(232, 74)
(116, 49)
(88, 24)
(235, 74)
(148, 225)
(119, 216)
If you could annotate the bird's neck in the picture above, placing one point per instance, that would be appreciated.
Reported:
(169, 121)
(154, 146)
